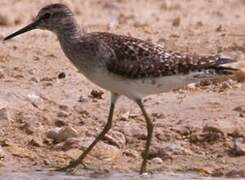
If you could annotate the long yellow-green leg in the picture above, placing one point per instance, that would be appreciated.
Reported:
(149, 126)
(79, 160)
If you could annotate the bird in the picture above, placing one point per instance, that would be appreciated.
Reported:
(125, 66)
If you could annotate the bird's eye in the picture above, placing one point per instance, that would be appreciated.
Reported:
(46, 15)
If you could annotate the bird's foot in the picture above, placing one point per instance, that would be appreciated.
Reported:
(72, 167)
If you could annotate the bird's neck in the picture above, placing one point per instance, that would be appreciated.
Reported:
(69, 32)
(69, 36)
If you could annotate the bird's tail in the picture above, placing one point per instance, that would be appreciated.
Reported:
(223, 68)
(224, 60)
(239, 76)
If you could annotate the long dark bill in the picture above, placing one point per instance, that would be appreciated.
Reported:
(23, 30)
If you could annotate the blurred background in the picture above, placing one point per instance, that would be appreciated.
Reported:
(155, 20)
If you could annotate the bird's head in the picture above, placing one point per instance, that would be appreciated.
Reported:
(51, 17)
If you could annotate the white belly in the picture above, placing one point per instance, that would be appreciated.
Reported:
(138, 88)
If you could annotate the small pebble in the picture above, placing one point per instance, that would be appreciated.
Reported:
(240, 109)
(115, 138)
(64, 107)
(192, 86)
(219, 28)
(176, 22)
(145, 174)
(157, 160)
(60, 123)
(61, 134)
(125, 116)
(96, 94)
(239, 147)
(63, 114)
(71, 143)
(82, 99)
(61, 75)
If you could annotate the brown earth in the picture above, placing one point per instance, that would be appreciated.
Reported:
(198, 129)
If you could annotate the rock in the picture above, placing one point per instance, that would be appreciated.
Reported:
(61, 75)
(60, 123)
(36, 58)
(63, 107)
(4, 117)
(241, 110)
(124, 116)
(63, 114)
(96, 94)
(239, 147)
(53, 134)
(106, 152)
(34, 79)
(209, 134)
(199, 24)
(157, 160)
(101, 151)
(115, 138)
(219, 28)
(47, 79)
(34, 98)
(191, 86)
(82, 99)
(74, 153)
(46, 162)
(61, 134)
(176, 22)
(71, 143)
(206, 82)
(242, 115)
(166, 151)
(48, 141)
(67, 132)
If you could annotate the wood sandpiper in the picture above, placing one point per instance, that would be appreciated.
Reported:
(124, 65)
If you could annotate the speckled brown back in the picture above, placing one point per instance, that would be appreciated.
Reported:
(136, 58)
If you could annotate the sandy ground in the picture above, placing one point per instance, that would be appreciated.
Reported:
(198, 129)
